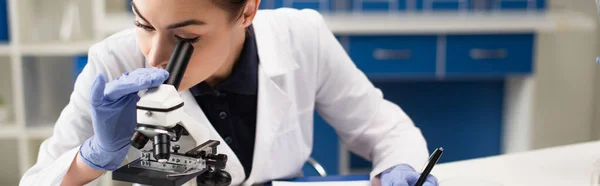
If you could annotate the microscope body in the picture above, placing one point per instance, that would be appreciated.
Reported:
(159, 106)
(161, 119)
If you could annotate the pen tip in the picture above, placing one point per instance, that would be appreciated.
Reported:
(441, 148)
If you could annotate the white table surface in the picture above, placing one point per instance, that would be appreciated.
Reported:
(570, 165)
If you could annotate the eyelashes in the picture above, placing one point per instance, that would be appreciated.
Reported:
(189, 40)
(145, 27)
(149, 28)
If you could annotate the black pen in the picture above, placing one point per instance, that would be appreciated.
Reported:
(433, 159)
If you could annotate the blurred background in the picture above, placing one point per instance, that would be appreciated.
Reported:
(479, 77)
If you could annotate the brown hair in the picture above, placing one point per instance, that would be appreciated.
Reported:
(234, 7)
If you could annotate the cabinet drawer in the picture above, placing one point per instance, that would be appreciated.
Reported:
(380, 5)
(319, 5)
(489, 54)
(394, 55)
(518, 4)
(443, 5)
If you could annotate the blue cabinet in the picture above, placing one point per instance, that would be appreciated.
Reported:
(463, 116)
(489, 55)
(398, 57)
(4, 25)
(79, 63)
(406, 5)
(384, 56)
(325, 147)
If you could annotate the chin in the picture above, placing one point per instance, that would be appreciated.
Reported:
(184, 86)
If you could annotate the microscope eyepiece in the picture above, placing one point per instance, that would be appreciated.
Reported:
(178, 62)
(162, 147)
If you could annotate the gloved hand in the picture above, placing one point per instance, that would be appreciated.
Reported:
(114, 116)
(404, 175)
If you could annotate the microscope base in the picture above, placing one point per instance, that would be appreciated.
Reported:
(131, 173)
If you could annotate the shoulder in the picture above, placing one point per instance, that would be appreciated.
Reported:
(295, 33)
(292, 21)
(119, 43)
(290, 15)
(117, 54)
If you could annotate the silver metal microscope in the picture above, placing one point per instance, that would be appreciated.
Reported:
(162, 120)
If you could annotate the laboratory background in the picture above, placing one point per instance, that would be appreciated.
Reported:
(478, 77)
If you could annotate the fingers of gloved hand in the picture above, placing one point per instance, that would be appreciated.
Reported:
(414, 177)
(393, 178)
(431, 181)
(135, 81)
(97, 92)
(394, 182)
(160, 75)
(403, 168)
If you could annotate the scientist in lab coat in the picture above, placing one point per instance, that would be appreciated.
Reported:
(255, 80)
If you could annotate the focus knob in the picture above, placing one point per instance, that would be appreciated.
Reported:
(217, 161)
(175, 148)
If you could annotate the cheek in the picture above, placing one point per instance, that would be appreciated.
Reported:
(207, 59)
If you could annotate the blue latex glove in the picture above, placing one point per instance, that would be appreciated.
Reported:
(404, 175)
(114, 116)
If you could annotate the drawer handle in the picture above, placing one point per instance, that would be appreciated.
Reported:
(388, 54)
(483, 54)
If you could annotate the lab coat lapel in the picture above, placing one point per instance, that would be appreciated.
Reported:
(234, 167)
(272, 110)
(275, 60)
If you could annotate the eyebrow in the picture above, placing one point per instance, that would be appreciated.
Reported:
(135, 9)
(172, 26)
(185, 23)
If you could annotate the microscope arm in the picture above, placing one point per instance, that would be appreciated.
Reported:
(197, 130)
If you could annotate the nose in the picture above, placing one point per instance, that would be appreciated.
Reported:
(158, 55)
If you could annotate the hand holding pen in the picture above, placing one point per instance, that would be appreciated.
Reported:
(405, 175)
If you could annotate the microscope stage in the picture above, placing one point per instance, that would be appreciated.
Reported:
(134, 174)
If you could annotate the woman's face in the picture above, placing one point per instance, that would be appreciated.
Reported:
(207, 27)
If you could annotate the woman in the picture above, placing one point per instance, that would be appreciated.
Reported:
(257, 76)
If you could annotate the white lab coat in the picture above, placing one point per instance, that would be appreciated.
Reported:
(302, 68)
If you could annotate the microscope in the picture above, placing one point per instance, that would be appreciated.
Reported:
(162, 120)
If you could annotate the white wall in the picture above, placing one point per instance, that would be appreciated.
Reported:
(566, 83)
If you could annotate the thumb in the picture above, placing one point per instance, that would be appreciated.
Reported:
(97, 92)
(431, 181)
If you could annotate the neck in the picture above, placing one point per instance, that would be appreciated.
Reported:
(225, 70)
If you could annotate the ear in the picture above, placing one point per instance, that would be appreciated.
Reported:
(249, 12)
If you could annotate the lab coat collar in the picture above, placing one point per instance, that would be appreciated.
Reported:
(274, 46)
